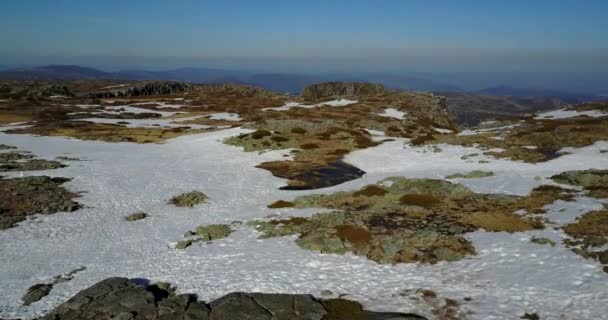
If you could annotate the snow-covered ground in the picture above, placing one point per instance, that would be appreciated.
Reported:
(332, 103)
(225, 116)
(509, 275)
(152, 122)
(563, 114)
(393, 113)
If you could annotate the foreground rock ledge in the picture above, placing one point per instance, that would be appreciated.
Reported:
(122, 298)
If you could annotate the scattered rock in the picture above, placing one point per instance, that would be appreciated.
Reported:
(20, 161)
(530, 316)
(6, 147)
(39, 291)
(471, 175)
(543, 241)
(204, 234)
(189, 199)
(280, 204)
(593, 181)
(136, 216)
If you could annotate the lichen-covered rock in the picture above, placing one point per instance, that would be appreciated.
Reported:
(594, 181)
(183, 244)
(213, 231)
(408, 220)
(189, 199)
(475, 174)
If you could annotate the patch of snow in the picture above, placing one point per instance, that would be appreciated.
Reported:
(225, 116)
(136, 110)
(115, 86)
(469, 132)
(153, 122)
(563, 114)
(440, 130)
(376, 132)
(333, 103)
(509, 275)
(393, 113)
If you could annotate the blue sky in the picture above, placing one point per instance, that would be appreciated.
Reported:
(556, 35)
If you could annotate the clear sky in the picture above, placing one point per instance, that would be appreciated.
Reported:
(428, 35)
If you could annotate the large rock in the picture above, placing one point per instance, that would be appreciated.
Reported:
(36, 292)
(254, 306)
(121, 298)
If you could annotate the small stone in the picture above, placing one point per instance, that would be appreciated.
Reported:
(189, 199)
(36, 292)
(326, 293)
(183, 244)
(136, 216)
(543, 241)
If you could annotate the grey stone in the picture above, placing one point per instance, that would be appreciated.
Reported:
(36, 292)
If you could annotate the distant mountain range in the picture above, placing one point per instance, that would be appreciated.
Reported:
(284, 82)
(280, 82)
(531, 93)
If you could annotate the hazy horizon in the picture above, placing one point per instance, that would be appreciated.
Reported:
(529, 43)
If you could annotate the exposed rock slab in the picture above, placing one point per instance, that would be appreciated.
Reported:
(121, 298)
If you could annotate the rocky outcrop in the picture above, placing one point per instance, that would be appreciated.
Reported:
(121, 298)
(27, 90)
(143, 89)
(189, 199)
(338, 89)
(21, 197)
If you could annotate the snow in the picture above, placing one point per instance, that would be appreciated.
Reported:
(393, 113)
(509, 275)
(564, 113)
(469, 132)
(136, 110)
(116, 86)
(225, 116)
(332, 103)
(441, 130)
(152, 122)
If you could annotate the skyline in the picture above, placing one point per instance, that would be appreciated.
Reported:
(469, 43)
(506, 35)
